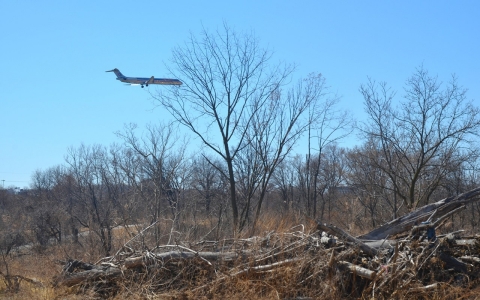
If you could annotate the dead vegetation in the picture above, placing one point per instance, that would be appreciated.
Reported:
(311, 261)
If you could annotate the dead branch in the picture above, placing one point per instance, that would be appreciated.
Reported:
(357, 270)
(470, 259)
(266, 267)
(424, 288)
(452, 262)
(150, 258)
(344, 235)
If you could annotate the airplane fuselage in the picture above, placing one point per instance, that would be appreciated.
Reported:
(147, 81)
(144, 80)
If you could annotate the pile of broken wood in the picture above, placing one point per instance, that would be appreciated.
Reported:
(402, 258)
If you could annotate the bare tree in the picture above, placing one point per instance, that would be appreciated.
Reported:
(370, 184)
(211, 192)
(327, 126)
(97, 191)
(280, 123)
(207, 181)
(225, 75)
(286, 183)
(330, 179)
(424, 134)
(158, 158)
(49, 215)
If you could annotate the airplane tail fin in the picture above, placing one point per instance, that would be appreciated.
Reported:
(117, 72)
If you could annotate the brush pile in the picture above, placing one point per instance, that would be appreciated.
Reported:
(403, 258)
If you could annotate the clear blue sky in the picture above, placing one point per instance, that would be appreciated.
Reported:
(55, 94)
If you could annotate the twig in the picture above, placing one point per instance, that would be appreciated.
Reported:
(140, 233)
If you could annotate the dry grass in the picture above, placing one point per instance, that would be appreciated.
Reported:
(37, 271)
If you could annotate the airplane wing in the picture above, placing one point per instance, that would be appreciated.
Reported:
(150, 81)
(167, 81)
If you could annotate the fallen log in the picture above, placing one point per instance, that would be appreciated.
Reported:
(151, 258)
(437, 209)
(71, 279)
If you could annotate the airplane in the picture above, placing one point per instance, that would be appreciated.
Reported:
(144, 81)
